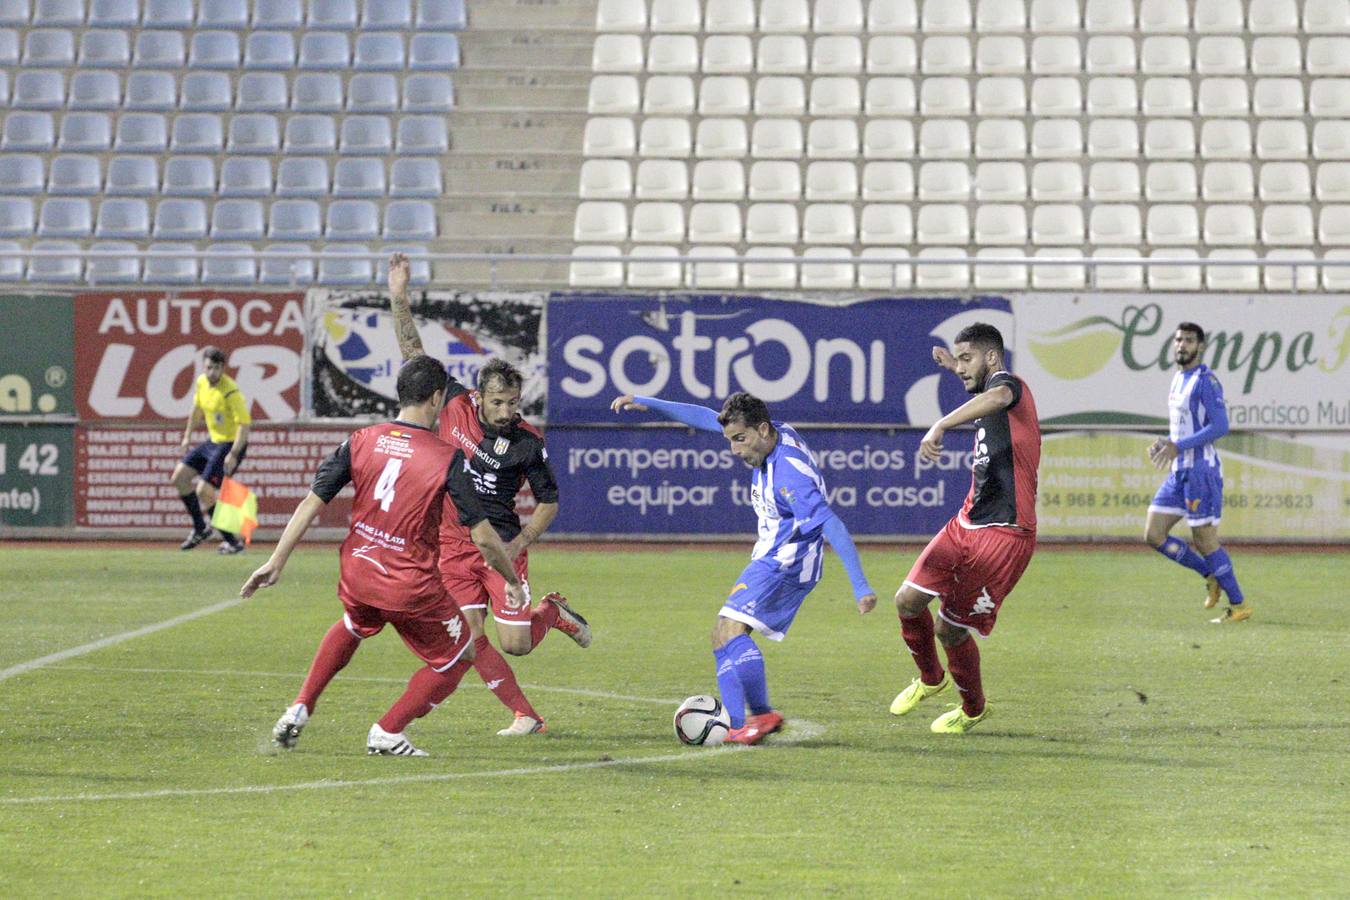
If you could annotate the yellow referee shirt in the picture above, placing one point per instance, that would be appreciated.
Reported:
(224, 407)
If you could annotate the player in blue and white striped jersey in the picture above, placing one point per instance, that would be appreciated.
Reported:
(795, 520)
(1194, 489)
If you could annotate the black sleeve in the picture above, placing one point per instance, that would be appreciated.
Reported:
(334, 474)
(1004, 379)
(540, 476)
(459, 485)
(453, 387)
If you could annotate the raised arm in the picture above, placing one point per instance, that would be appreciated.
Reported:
(409, 343)
(996, 398)
(690, 414)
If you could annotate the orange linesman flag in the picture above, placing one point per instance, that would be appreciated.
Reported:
(236, 510)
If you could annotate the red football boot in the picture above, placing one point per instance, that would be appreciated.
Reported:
(757, 728)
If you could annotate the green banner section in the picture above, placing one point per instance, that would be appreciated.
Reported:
(36, 476)
(1099, 484)
(37, 355)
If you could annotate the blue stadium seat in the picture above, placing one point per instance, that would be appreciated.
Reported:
(294, 220)
(241, 269)
(302, 176)
(420, 135)
(316, 92)
(168, 13)
(238, 220)
(15, 12)
(190, 176)
(359, 177)
(38, 89)
(310, 134)
(197, 133)
(269, 50)
(141, 133)
(214, 49)
(254, 133)
(434, 52)
(371, 93)
(287, 15)
(16, 217)
(114, 13)
(351, 220)
(335, 270)
(28, 131)
(261, 92)
(11, 266)
(65, 217)
(409, 220)
(223, 14)
(105, 50)
(75, 175)
(180, 219)
(120, 268)
(324, 50)
(246, 176)
(365, 135)
(95, 90)
(21, 173)
(419, 270)
(447, 14)
(123, 217)
(68, 13)
(49, 47)
(206, 92)
(132, 176)
(297, 271)
(159, 49)
(90, 132)
(9, 47)
(170, 270)
(64, 268)
(332, 14)
(428, 93)
(4, 88)
(386, 15)
(379, 53)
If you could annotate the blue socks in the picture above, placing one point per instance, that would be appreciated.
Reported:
(1222, 569)
(741, 680)
(729, 686)
(1181, 552)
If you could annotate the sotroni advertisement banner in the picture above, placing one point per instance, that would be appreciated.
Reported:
(1283, 361)
(36, 356)
(863, 362)
(356, 358)
(137, 352)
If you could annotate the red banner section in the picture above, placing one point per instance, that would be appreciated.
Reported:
(122, 475)
(136, 352)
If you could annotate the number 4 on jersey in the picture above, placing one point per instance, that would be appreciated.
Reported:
(384, 488)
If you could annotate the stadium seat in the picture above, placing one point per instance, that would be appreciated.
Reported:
(1230, 224)
(21, 174)
(1219, 16)
(409, 220)
(1279, 56)
(251, 176)
(941, 276)
(180, 219)
(1333, 225)
(1169, 139)
(206, 92)
(297, 176)
(280, 270)
(1325, 16)
(714, 179)
(132, 176)
(9, 47)
(334, 269)
(836, 55)
(835, 97)
(832, 139)
(995, 276)
(446, 14)
(359, 177)
(1117, 277)
(190, 176)
(606, 179)
(715, 223)
(672, 54)
(1114, 182)
(1335, 277)
(723, 95)
(945, 97)
(1285, 139)
(324, 50)
(1172, 224)
(832, 181)
(1001, 55)
(838, 17)
(1276, 97)
(368, 92)
(595, 274)
(1054, 96)
(677, 15)
(1053, 139)
(1289, 225)
(114, 14)
(1231, 278)
(711, 275)
(829, 223)
(269, 50)
(1105, 16)
(1000, 182)
(776, 139)
(784, 16)
(1057, 223)
(168, 13)
(944, 181)
(285, 15)
(772, 223)
(1056, 55)
(261, 92)
(600, 221)
(28, 131)
(38, 89)
(834, 275)
(884, 275)
(945, 55)
(428, 93)
(1170, 182)
(621, 15)
(1168, 97)
(620, 53)
(120, 268)
(1290, 278)
(1059, 277)
(942, 223)
(1227, 182)
(418, 136)
(75, 175)
(660, 274)
(213, 50)
(1221, 56)
(892, 55)
(332, 14)
(1326, 56)
(411, 177)
(1056, 182)
(657, 223)
(1112, 97)
(197, 133)
(90, 132)
(237, 220)
(1329, 98)
(1223, 97)
(393, 15)
(781, 54)
(723, 54)
(64, 268)
(768, 273)
(316, 92)
(1333, 182)
(1165, 55)
(254, 133)
(1007, 139)
(105, 49)
(888, 96)
(94, 90)
(293, 220)
(1174, 278)
(775, 180)
(1331, 139)
(609, 137)
(1285, 182)
(1054, 16)
(16, 217)
(369, 135)
(49, 47)
(665, 138)
(668, 95)
(938, 139)
(232, 14)
(1000, 224)
(352, 220)
(240, 268)
(729, 16)
(662, 179)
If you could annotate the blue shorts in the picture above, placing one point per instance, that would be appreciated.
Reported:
(208, 460)
(1196, 494)
(767, 599)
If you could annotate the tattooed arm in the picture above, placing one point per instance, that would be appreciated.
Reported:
(408, 341)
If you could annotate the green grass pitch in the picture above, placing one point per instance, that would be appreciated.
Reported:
(1132, 750)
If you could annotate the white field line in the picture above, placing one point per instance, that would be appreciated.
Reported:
(113, 639)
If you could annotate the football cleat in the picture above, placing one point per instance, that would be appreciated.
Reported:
(1240, 613)
(569, 622)
(523, 725)
(195, 538)
(286, 733)
(381, 743)
(957, 722)
(230, 546)
(756, 728)
(1212, 591)
(910, 697)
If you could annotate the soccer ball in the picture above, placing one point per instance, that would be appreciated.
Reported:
(702, 720)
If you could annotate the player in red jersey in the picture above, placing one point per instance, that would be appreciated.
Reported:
(402, 473)
(977, 559)
(504, 452)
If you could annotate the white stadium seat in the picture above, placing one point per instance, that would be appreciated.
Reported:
(662, 179)
(1001, 139)
(1289, 225)
(1325, 16)
(1230, 224)
(1292, 278)
(942, 276)
(667, 138)
(949, 15)
(890, 181)
(1057, 223)
(1112, 97)
(943, 223)
(1231, 278)
(829, 223)
(713, 274)
(994, 16)
(1282, 140)
(1059, 277)
(832, 181)
(1001, 55)
(1056, 55)
(1056, 139)
(600, 220)
(946, 55)
(719, 179)
(1174, 278)
(1058, 97)
(609, 137)
(734, 16)
(775, 180)
(1169, 139)
(886, 223)
(1333, 182)
(938, 139)
(1276, 97)
(944, 181)
(1223, 97)
(1330, 98)
(676, 15)
(672, 53)
(1001, 97)
(784, 16)
(772, 223)
(1115, 223)
(992, 276)
(1163, 16)
(1172, 224)
(1057, 182)
(1107, 16)
(654, 274)
(1055, 16)
(1273, 16)
(892, 139)
(617, 53)
(657, 222)
(891, 55)
(884, 276)
(945, 97)
(612, 95)
(770, 274)
(892, 17)
(727, 54)
(780, 96)
(1117, 277)
(1285, 182)
(596, 274)
(1114, 182)
(723, 95)
(836, 55)
(1000, 223)
(1228, 182)
(720, 138)
(1165, 55)
(888, 96)
(668, 95)
(781, 54)
(1219, 16)
(1221, 56)
(606, 179)
(777, 139)
(1331, 139)
(1278, 55)
(715, 223)
(835, 97)
(1168, 97)
(1327, 56)
(828, 276)
(838, 17)
(1225, 139)
(1000, 182)
(1111, 55)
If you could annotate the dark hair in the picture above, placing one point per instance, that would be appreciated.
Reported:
(744, 408)
(1193, 329)
(499, 370)
(213, 354)
(419, 378)
(982, 335)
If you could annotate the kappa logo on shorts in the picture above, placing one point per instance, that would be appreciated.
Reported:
(454, 627)
(985, 603)
(360, 553)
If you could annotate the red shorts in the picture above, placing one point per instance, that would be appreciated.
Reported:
(972, 570)
(435, 630)
(476, 585)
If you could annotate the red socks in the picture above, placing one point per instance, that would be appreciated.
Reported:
(963, 660)
(496, 673)
(918, 634)
(426, 689)
(335, 651)
(541, 620)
